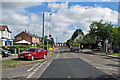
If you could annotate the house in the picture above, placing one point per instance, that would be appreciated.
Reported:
(5, 36)
(80, 36)
(27, 38)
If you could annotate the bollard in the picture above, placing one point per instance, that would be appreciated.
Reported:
(15, 51)
(18, 51)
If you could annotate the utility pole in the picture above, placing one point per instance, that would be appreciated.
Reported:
(43, 31)
(56, 41)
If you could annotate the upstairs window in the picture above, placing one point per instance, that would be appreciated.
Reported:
(18, 38)
(33, 38)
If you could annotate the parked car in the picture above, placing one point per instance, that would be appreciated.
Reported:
(33, 53)
(5, 53)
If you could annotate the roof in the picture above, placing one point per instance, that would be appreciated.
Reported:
(32, 35)
(3, 27)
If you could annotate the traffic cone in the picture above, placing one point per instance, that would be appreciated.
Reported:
(53, 49)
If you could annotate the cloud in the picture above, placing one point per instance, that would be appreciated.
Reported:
(81, 16)
(19, 5)
(62, 18)
(60, 0)
(19, 19)
(28, 0)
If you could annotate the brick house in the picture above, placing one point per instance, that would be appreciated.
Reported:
(27, 38)
(5, 36)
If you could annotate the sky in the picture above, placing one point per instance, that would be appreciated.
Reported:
(67, 16)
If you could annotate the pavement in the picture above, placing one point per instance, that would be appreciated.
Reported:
(101, 53)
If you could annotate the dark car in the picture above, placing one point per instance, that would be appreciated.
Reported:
(5, 53)
(33, 53)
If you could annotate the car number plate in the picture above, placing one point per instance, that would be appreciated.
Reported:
(21, 56)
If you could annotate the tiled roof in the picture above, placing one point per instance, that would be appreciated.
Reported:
(2, 28)
(33, 35)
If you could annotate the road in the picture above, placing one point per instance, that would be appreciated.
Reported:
(74, 65)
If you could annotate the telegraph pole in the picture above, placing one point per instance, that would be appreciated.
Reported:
(43, 31)
(56, 41)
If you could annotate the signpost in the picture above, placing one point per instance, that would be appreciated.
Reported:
(47, 40)
(106, 41)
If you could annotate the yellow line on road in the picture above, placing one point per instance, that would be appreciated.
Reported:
(69, 77)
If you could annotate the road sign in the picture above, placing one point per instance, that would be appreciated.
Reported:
(106, 41)
(47, 40)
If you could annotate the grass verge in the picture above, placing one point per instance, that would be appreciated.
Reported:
(117, 54)
(15, 62)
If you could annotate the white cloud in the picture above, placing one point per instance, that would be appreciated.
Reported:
(18, 19)
(81, 16)
(60, 0)
(19, 5)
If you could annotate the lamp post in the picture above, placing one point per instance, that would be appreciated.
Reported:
(50, 28)
(43, 30)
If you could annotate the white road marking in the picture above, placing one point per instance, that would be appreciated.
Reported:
(30, 75)
(36, 69)
(39, 66)
(33, 67)
(57, 56)
(96, 64)
(47, 65)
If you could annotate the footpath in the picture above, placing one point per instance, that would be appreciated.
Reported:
(101, 53)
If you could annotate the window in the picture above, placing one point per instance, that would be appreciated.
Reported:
(39, 50)
(18, 38)
(33, 38)
(30, 50)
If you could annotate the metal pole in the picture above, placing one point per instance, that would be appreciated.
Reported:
(106, 47)
(56, 41)
(47, 46)
(43, 31)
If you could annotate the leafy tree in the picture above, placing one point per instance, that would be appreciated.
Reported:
(75, 34)
(51, 42)
(101, 31)
(69, 42)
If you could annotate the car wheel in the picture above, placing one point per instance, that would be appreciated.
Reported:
(32, 58)
(45, 56)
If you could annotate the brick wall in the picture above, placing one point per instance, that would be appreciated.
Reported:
(24, 36)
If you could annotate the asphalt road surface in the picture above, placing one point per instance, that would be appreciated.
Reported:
(72, 68)
(69, 65)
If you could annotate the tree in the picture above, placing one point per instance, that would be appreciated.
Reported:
(101, 31)
(75, 34)
(68, 43)
(51, 42)
(46, 37)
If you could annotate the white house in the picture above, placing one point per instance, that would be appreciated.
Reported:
(5, 36)
(80, 36)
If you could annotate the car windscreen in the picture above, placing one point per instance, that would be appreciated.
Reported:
(30, 50)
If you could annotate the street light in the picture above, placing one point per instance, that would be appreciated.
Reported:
(50, 28)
